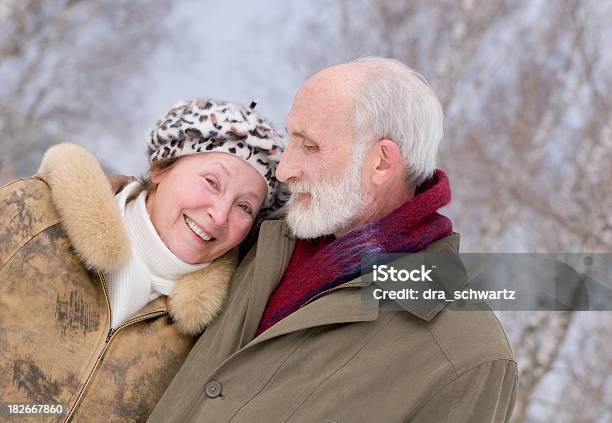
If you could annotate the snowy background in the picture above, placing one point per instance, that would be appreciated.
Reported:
(525, 86)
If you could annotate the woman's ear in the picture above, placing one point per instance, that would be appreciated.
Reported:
(155, 176)
(157, 169)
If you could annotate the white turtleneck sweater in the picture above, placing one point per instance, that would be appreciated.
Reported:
(152, 269)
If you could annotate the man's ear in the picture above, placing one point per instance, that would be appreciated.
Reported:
(387, 161)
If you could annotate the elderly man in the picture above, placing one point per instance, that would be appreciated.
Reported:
(294, 342)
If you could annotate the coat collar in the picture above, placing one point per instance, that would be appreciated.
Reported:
(344, 304)
(271, 258)
(89, 214)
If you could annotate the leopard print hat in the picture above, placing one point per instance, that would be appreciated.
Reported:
(204, 125)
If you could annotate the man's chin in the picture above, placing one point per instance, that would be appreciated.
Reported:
(302, 200)
(304, 226)
(304, 233)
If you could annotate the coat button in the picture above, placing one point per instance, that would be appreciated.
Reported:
(213, 389)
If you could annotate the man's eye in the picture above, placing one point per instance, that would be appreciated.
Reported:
(310, 148)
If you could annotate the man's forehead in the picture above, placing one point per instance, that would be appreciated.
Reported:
(299, 125)
(323, 104)
(309, 122)
(312, 106)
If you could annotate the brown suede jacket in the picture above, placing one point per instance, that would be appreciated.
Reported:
(60, 232)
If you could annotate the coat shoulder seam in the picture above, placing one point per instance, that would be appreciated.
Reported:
(450, 362)
(25, 241)
(455, 379)
(481, 359)
(24, 244)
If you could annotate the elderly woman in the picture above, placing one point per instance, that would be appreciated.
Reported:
(102, 295)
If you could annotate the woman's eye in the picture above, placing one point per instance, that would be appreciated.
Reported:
(246, 208)
(211, 182)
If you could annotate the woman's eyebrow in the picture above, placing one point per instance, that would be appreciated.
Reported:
(252, 194)
(227, 172)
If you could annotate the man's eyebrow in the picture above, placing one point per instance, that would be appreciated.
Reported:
(302, 135)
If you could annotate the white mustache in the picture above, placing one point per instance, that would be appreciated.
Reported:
(300, 187)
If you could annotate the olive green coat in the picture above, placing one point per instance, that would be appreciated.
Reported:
(60, 231)
(334, 360)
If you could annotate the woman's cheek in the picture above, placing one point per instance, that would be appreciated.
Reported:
(245, 229)
(235, 230)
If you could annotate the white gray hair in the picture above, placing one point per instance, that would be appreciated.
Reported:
(397, 103)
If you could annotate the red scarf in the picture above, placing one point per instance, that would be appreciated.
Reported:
(323, 263)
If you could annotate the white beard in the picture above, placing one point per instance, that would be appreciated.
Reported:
(334, 205)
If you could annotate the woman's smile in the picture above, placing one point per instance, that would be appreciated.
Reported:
(197, 230)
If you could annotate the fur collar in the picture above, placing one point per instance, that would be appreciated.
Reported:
(86, 205)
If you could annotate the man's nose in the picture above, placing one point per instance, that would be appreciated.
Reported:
(289, 166)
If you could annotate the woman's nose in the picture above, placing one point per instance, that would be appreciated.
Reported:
(219, 212)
